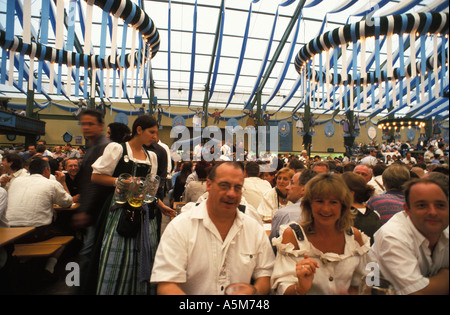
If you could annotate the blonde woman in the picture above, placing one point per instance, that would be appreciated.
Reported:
(323, 254)
(276, 198)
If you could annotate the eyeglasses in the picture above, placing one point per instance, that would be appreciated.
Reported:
(224, 186)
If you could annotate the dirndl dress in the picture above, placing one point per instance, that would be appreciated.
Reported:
(125, 263)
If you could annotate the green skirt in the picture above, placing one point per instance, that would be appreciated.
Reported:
(119, 262)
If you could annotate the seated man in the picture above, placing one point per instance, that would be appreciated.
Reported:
(367, 173)
(296, 190)
(254, 186)
(213, 245)
(390, 202)
(72, 167)
(412, 248)
(13, 167)
(30, 203)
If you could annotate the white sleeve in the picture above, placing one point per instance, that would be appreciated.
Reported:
(171, 257)
(106, 164)
(265, 208)
(62, 197)
(153, 162)
(398, 264)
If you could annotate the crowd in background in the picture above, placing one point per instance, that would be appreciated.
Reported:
(272, 190)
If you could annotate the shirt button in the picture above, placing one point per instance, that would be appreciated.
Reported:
(221, 288)
(331, 278)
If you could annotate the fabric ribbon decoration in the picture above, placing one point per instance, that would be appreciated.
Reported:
(193, 51)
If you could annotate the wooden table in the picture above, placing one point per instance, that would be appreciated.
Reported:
(9, 235)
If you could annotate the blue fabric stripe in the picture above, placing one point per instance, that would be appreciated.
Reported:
(287, 62)
(241, 57)
(9, 35)
(169, 49)
(193, 52)
(264, 62)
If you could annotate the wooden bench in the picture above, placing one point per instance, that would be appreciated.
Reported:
(41, 249)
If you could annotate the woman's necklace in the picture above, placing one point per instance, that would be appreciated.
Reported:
(282, 197)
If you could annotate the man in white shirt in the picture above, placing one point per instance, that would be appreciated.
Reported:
(254, 187)
(225, 150)
(13, 167)
(367, 173)
(412, 248)
(31, 198)
(429, 154)
(205, 249)
(71, 152)
(371, 159)
(197, 154)
(409, 159)
(30, 203)
(304, 157)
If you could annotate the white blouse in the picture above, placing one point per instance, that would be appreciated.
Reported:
(336, 273)
(106, 164)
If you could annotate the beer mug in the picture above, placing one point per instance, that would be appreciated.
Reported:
(379, 287)
(152, 185)
(136, 192)
(121, 191)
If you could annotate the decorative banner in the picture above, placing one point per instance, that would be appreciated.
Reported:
(193, 51)
(121, 118)
(61, 54)
(372, 132)
(445, 135)
(218, 53)
(329, 130)
(67, 137)
(284, 128)
(411, 134)
(285, 136)
(178, 124)
(232, 126)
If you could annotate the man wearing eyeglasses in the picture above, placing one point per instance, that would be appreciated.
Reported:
(205, 249)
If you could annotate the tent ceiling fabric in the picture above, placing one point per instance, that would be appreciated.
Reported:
(228, 57)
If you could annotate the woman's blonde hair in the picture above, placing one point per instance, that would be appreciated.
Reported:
(324, 186)
(287, 170)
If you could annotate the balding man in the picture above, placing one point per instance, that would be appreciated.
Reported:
(296, 190)
(367, 173)
(212, 245)
(418, 171)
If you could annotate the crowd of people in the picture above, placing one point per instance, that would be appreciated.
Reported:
(329, 218)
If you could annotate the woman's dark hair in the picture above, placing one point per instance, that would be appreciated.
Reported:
(119, 132)
(357, 184)
(202, 169)
(94, 113)
(144, 121)
(16, 159)
(54, 165)
(186, 170)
